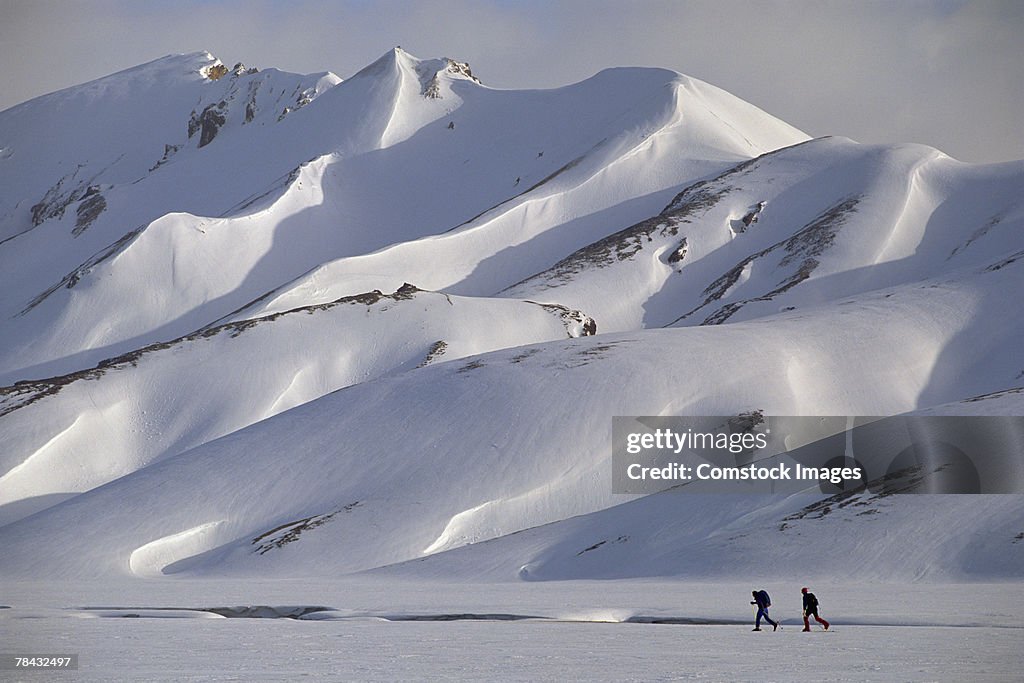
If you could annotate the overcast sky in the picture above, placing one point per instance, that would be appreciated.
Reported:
(948, 73)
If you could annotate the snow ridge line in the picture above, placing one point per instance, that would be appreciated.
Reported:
(26, 392)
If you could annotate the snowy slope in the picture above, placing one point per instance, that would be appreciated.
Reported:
(84, 429)
(803, 225)
(370, 163)
(180, 313)
(519, 438)
(113, 131)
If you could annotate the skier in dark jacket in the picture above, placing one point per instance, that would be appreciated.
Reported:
(763, 602)
(811, 608)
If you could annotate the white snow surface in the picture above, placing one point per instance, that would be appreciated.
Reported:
(276, 325)
(573, 631)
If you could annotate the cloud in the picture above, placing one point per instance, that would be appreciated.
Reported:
(944, 73)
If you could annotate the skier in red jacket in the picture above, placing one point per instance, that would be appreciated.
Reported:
(811, 608)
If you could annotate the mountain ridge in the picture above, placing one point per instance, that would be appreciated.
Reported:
(297, 324)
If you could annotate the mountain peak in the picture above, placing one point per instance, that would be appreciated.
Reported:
(428, 71)
(432, 72)
(175, 65)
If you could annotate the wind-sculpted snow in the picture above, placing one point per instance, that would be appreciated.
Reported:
(432, 485)
(807, 245)
(374, 171)
(227, 387)
(170, 396)
(75, 276)
(811, 223)
(113, 130)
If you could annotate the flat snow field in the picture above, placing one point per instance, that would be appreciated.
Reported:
(387, 629)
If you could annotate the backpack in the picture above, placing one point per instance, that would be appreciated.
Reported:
(812, 602)
(763, 597)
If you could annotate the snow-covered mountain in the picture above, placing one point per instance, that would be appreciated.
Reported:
(195, 260)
